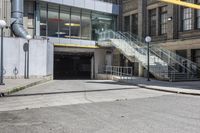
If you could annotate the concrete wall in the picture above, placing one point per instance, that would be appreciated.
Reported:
(41, 62)
(50, 58)
(100, 56)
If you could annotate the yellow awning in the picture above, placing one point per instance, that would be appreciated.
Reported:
(182, 3)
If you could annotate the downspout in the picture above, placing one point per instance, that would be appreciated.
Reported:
(17, 13)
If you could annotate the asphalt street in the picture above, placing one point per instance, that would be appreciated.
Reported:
(86, 106)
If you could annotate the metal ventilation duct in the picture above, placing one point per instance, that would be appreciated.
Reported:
(17, 12)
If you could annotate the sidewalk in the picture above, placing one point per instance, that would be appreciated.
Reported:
(191, 87)
(14, 85)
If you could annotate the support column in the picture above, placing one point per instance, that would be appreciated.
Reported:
(172, 25)
(142, 18)
(140, 70)
(189, 56)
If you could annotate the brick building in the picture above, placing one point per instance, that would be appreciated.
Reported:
(170, 26)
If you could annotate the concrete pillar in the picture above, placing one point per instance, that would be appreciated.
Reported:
(140, 70)
(92, 68)
(189, 57)
(172, 26)
(142, 18)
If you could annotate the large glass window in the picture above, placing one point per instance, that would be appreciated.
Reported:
(134, 27)
(127, 23)
(101, 23)
(86, 25)
(187, 17)
(163, 20)
(75, 23)
(53, 20)
(43, 19)
(152, 22)
(67, 22)
(198, 16)
(64, 25)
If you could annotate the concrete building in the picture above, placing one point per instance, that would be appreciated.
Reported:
(170, 26)
(64, 36)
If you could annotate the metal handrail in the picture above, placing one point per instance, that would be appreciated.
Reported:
(117, 71)
(166, 53)
(117, 35)
(175, 57)
(144, 47)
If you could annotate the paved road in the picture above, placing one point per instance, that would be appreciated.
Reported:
(120, 108)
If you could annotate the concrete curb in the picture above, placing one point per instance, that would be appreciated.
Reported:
(152, 87)
(173, 91)
(177, 91)
(25, 86)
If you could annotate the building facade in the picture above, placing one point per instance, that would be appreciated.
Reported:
(173, 27)
(65, 34)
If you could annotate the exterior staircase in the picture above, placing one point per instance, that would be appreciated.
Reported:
(164, 64)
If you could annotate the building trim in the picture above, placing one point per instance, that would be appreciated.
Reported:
(77, 46)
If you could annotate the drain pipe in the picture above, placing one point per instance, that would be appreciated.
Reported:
(17, 13)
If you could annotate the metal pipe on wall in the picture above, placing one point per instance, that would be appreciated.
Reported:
(17, 11)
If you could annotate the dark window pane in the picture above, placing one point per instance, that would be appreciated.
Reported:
(53, 20)
(134, 27)
(163, 20)
(86, 26)
(75, 23)
(152, 20)
(64, 22)
(43, 19)
(127, 24)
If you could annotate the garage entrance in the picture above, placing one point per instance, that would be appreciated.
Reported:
(73, 65)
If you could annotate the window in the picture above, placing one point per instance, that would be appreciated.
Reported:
(152, 22)
(75, 23)
(134, 27)
(53, 20)
(196, 56)
(127, 23)
(198, 16)
(43, 19)
(163, 20)
(100, 23)
(187, 17)
(86, 25)
(64, 24)
(68, 22)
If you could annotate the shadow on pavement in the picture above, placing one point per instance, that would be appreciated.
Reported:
(69, 92)
(107, 82)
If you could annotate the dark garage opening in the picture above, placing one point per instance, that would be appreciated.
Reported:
(72, 66)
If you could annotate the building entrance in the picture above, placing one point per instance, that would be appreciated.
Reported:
(72, 66)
